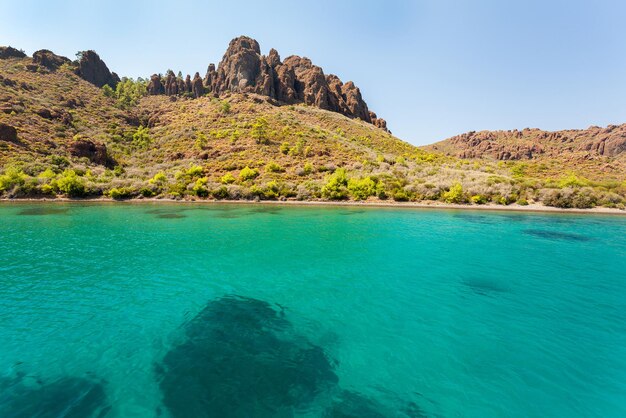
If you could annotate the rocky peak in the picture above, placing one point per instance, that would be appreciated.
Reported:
(295, 80)
(49, 59)
(7, 52)
(92, 69)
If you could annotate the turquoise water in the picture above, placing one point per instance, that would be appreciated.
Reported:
(132, 310)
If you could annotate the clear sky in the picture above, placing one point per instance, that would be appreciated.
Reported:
(432, 68)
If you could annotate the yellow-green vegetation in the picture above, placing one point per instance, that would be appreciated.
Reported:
(245, 147)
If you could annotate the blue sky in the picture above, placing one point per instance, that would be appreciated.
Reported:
(432, 68)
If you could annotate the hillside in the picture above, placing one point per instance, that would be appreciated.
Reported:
(257, 127)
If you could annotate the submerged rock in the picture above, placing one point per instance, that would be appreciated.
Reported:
(241, 358)
(68, 397)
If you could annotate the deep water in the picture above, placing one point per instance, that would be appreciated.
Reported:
(178, 310)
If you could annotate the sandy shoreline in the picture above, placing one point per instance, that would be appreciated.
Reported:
(374, 204)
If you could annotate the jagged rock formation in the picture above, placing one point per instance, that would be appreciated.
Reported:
(49, 59)
(7, 52)
(91, 68)
(530, 144)
(196, 86)
(155, 86)
(295, 80)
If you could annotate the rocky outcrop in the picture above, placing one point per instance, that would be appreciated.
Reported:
(49, 59)
(8, 133)
(95, 152)
(92, 69)
(296, 80)
(155, 86)
(197, 87)
(7, 52)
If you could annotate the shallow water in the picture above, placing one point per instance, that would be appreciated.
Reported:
(166, 310)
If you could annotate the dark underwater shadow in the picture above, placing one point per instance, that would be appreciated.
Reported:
(42, 211)
(269, 209)
(477, 219)
(171, 216)
(556, 235)
(483, 286)
(241, 357)
(68, 397)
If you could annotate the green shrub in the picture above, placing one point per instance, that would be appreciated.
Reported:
(225, 107)
(220, 193)
(573, 181)
(308, 168)
(522, 202)
(248, 173)
(128, 92)
(147, 192)
(336, 186)
(401, 196)
(455, 194)
(120, 193)
(12, 178)
(227, 179)
(361, 189)
(479, 199)
(273, 167)
(259, 131)
(70, 184)
(199, 188)
(159, 179)
(284, 148)
(141, 137)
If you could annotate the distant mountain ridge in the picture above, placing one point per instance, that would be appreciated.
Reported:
(530, 144)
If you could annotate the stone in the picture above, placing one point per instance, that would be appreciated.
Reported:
(95, 152)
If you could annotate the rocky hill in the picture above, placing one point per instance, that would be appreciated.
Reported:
(258, 127)
(529, 144)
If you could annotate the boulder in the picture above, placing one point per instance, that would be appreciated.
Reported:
(8, 133)
(92, 69)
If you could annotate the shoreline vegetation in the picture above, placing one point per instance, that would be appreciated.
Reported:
(533, 207)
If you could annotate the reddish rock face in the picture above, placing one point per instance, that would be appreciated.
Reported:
(92, 69)
(239, 67)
